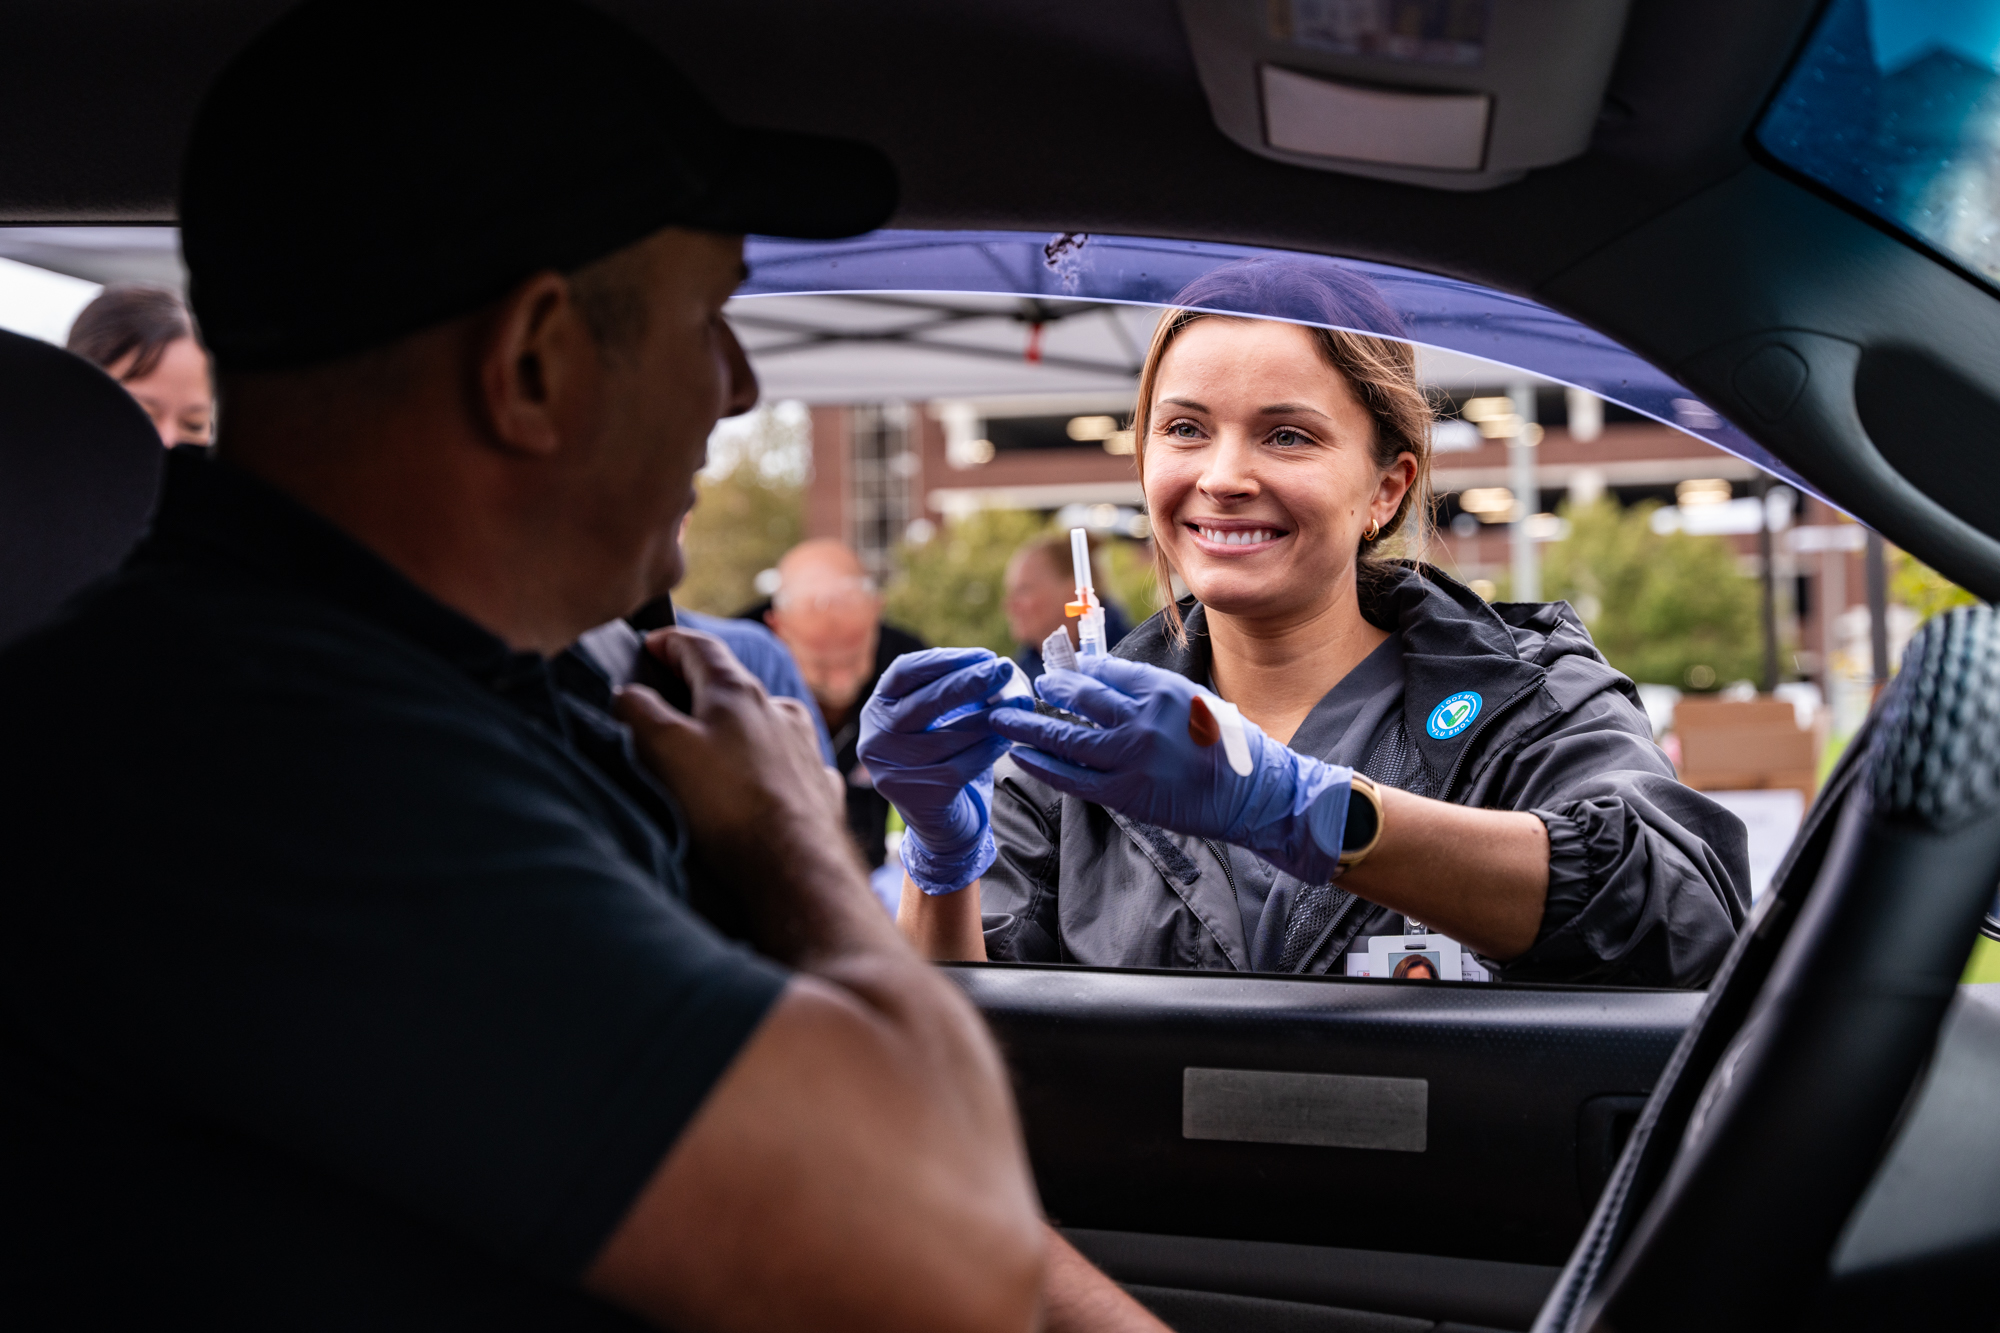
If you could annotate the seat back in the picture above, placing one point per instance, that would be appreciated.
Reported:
(79, 473)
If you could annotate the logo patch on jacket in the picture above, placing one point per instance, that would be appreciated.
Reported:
(1454, 715)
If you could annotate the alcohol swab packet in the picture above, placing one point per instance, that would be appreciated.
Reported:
(1017, 687)
(1057, 655)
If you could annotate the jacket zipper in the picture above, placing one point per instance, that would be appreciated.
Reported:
(1222, 855)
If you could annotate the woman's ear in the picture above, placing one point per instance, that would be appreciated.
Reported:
(1394, 484)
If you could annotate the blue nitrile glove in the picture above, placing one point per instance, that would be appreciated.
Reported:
(1290, 809)
(940, 778)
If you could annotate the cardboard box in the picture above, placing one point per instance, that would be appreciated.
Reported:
(1750, 746)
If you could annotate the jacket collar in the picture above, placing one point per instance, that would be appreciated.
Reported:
(1454, 644)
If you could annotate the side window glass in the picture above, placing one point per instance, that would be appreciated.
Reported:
(971, 398)
(948, 408)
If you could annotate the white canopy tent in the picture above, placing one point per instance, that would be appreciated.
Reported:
(856, 347)
(867, 347)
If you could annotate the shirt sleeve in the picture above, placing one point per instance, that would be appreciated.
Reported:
(407, 945)
(785, 682)
(1648, 879)
(770, 661)
(1017, 895)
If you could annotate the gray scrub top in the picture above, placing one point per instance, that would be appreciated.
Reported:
(1343, 728)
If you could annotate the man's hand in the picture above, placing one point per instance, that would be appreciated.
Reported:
(765, 822)
(745, 766)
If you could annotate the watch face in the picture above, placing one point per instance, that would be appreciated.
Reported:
(1364, 820)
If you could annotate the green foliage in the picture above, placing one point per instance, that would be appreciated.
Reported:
(947, 590)
(748, 515)
(1659, 605)
(1129, 580)
(1922, 589)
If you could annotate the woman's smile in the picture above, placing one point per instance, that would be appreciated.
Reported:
(1234, 537)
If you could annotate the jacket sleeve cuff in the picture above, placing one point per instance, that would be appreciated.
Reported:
(1574, 856)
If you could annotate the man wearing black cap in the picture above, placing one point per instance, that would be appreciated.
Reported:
(351, 978)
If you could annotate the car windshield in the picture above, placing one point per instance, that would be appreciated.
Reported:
(940, 402)
(1895, 106)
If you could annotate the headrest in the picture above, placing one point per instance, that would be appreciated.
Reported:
(79, 471)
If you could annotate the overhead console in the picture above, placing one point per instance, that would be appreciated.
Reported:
(1452, 94)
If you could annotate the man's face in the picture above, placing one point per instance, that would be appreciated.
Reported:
(831, 625)
(662, 393)
(1036, 596)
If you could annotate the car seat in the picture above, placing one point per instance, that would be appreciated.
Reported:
(80, 470)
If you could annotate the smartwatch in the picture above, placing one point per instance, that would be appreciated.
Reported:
(1364, 822)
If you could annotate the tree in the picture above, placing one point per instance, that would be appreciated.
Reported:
(948, 590)
(1128, 572)
(1922, 589)
(1669, 608)
(751, 508)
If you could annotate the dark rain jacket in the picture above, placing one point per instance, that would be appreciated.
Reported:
(1648, 880)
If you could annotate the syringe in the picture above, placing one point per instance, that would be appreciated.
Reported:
(1089, 612)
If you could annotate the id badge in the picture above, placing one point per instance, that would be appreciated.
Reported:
(1426, 957)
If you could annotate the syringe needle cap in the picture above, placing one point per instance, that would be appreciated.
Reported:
(1079, 555)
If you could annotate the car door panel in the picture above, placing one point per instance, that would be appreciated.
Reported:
(1523, 1089)
(1471, 1292)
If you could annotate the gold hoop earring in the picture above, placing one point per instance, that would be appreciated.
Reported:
(1374, 531)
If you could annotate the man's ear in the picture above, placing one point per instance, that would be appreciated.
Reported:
(538, 368)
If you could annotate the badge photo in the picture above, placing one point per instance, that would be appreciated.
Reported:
(1414, 958)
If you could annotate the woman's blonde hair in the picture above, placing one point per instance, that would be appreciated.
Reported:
(1332, 303)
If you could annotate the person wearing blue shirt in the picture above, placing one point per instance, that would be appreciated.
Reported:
(766, 658)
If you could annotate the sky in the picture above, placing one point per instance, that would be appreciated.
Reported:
(39, 303)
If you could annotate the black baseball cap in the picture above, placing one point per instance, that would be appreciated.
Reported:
(364, 169)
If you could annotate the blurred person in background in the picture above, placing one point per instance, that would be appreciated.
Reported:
(1039, 586)
(142, 337)
(828, 612)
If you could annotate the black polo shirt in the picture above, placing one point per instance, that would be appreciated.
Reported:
(346, 973)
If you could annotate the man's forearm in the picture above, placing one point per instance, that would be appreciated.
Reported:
(1078, 1298)
(820, 916)
(806, 896)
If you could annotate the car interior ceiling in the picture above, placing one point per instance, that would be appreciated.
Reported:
(1094, 119)
(1671, 234)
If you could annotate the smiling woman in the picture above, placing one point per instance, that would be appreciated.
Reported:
(1370, 411)
(1427, 769)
